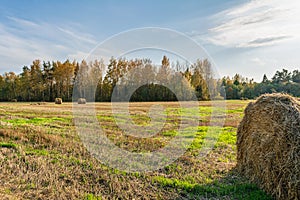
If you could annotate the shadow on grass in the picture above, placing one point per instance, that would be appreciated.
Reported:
(230, 186)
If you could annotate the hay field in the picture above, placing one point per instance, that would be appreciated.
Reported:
(42, 157)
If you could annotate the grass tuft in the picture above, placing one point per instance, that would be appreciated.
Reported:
(8, 145)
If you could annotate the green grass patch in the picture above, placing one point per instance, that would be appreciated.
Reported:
(222, 136)
(170, 133)
(237, 110)
(39, 152)
(37, 121)
(190, 112)
(238, 190)
(8, 145)
(227, 137)
(92, 197)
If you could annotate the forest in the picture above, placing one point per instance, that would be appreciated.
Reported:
(46, 80)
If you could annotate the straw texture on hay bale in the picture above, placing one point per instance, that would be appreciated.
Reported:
(268, 145)
(58, 101)
(81, 101)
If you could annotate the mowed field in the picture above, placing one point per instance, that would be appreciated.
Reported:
(42, 156)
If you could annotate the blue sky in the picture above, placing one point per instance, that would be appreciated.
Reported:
(249, 37)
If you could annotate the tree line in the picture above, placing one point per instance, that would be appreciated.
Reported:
(139, 78)
(282, 81)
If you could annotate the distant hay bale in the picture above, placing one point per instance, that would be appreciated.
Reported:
(38, 103)
(58, 101)
(216, 98)
(14, 100)
(268, 145)
(81, 101)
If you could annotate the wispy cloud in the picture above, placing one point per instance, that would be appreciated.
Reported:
(22, 41)
(82, 37)
(23, 22)
(256, 23)
(265, 41)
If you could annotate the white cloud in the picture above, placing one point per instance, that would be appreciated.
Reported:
(22, 41)
(79, 55)
(258, 61)
(257, 23)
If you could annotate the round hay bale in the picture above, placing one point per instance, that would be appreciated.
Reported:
(268, 145)
(58, 100)
(81, 101)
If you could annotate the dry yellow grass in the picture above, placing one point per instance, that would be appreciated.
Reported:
(42, 157)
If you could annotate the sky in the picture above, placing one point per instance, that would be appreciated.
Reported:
(248, 37)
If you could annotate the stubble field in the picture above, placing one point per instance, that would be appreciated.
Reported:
(42, 156)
